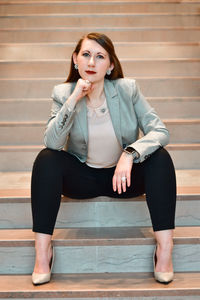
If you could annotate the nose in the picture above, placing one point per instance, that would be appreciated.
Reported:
(91, 61)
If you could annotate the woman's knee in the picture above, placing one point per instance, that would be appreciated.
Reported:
(160, 164)
(47, 158)
(161, 157)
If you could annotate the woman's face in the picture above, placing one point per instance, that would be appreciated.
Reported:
(93, 61)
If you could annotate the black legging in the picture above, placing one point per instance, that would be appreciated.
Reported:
(58, 172)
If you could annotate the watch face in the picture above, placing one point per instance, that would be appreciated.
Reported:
(129, 150)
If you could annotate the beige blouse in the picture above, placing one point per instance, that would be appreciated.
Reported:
(104, 149)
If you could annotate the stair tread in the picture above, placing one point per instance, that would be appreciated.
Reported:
(23, 195)
(20, 181)
(102, 236)
(86, 1)
(99, 285)
(100, 14)
(109, 28)
(130, 43)
(124, 59)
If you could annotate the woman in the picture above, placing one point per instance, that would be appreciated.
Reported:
(96, 116)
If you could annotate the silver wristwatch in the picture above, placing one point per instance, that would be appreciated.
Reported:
(132, 151)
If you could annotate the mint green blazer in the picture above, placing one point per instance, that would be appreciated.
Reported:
(130, 114)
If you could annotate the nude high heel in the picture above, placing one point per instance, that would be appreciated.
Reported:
(163, 277)
(42, 278)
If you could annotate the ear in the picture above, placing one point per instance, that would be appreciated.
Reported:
(74, 57)
(111, 67)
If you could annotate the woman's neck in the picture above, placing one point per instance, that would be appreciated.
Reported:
(96, 97)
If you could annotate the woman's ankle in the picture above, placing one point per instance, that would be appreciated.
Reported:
(163, 261)
(43, 250)
(42, 261)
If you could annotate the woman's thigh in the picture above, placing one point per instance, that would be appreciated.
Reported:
(82, 181)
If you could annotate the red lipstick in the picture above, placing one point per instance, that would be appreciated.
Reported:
(90, 72)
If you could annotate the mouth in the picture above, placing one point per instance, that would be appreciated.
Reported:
(90, 72)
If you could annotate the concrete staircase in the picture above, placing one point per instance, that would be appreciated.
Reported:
(103, 246)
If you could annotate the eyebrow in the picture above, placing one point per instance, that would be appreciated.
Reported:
(97, 52)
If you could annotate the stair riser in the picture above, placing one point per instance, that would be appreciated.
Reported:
(59, 51)
(131, 69)
(150, 87)
(132, 35)
(119, 298)
(33, 110)
(23, 160)
(103, 214)
(176, 108)
(34, 135)
(97, 7)
(187, 159)
(95, 20)
(95, 259)
(25, 110)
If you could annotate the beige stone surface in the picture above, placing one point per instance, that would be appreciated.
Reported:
(100, 285)
(21, 180)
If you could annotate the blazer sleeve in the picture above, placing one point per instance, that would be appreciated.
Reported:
(155, 133)
(60, 121)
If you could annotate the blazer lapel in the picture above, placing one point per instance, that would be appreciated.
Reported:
(81, 111)
(112, 99)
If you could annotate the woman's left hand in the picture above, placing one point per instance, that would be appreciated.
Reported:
(122, 175)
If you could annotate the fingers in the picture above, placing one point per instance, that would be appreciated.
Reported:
(128, 179)
(83, 87)
(86, 85)
(114, 182)
(117, 184)
(121, 182)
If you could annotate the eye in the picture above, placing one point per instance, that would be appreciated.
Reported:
(86, 54)
(100, 56)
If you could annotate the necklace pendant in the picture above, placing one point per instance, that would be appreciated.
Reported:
(103, 110)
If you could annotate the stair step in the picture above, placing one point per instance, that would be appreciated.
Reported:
(117, 34)
(133, 286)
(96, 212)
(94, 250)
(18, 181)
(21, 158)
(124, 50)
(105, 19)
(32, 7)
(21, 110)
(98, 236)
(131, 67)
(32, 133)
(34, 109)
(150, 87)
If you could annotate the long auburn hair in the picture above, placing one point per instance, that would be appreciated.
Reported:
(107, 44)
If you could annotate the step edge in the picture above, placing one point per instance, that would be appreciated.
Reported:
(133, 288)
(27, 198)
(142, 236)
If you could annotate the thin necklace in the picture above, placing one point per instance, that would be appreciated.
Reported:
(96, 106)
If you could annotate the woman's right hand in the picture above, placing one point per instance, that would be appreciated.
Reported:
(83, 87)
